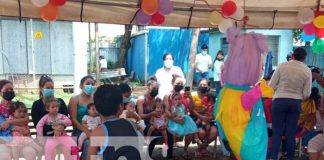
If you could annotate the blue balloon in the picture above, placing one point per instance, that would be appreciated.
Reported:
(307, 38)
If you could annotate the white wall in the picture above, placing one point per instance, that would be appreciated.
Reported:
(80, 39)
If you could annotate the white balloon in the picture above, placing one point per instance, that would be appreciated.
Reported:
(40, 3)
(225, 24)
(305, 16)
(239, 14)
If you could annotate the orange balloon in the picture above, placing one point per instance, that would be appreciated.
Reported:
(49, 13)
(150, 7)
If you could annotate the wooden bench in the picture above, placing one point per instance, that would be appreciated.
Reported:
(111, 76)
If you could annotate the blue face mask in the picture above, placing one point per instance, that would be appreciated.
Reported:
(48, 92)
(88, 89)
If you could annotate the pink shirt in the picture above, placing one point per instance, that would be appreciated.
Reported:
(60, 118)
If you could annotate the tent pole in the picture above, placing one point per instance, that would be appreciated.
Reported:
(97, 55)
(33, 51)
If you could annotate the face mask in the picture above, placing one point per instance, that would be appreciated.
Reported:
(88, 89)
(178, 87)
(8, 95)
(154, 93)
(168, 63)
(48, 92)
(126, 100)
(203, 89)
(204, 53)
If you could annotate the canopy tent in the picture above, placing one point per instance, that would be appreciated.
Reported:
(260, 12)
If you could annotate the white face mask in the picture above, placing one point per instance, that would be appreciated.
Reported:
(168, 63)
(204, 53)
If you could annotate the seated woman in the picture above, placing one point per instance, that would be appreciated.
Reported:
(7, 94)
(145, 109)
(316, 144)
(202, 114)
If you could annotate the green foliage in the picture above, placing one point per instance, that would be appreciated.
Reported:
(110, 64)
(297, 34)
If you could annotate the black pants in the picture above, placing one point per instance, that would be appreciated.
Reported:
(160, 137)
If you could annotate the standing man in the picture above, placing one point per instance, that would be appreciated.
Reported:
(203, 63)
(292, 82)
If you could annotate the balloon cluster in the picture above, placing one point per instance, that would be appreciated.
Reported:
(48, 8)
(153, 12)
(224, 17)
(313, 28)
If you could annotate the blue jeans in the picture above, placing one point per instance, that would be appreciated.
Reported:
(199, 76)
(218, 87)
(287, 113)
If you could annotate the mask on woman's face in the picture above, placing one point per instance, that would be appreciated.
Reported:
(8, 95)
(88, 89)
(203, 89)
(178, 87)
(126, 99)
(154, 93)
(204, 52)
(48, 92)
(168, 63)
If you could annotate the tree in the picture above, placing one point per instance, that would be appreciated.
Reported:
(125, 45)
(192, 56)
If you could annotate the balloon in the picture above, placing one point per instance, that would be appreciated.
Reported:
(319, 32)
(319, 21)
(228, 8)
(305, 16)
(58, 2)
(150, 7)
(165, 7)
(215, 18)
(307, 38)
(309, 29)
(239, 14)
(224, 25)
(40, 3)
(318, 46)
(157, 19)
(142, 18)
(49, 13)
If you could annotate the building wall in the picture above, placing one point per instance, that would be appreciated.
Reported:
(53, 52)
(136, 57)
(285, 42)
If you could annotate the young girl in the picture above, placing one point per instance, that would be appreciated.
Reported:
(55, 119)
(136, 120)
(91, 121)
(178, 110)
(20, 133)
(158, 122)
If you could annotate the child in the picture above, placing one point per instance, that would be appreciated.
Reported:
(159, 123)
(136, 119)
(109, 103)
(306, 120)
(178, 110)
(90, 121)
(208, 106)
(20, 133)
(56, 119)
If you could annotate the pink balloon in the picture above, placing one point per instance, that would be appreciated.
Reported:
(165, 7)
(309, 29)
(142, 18)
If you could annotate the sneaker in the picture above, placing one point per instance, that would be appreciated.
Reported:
(164, 150)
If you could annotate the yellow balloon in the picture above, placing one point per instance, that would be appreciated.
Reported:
(215, 18)
(319, 22)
